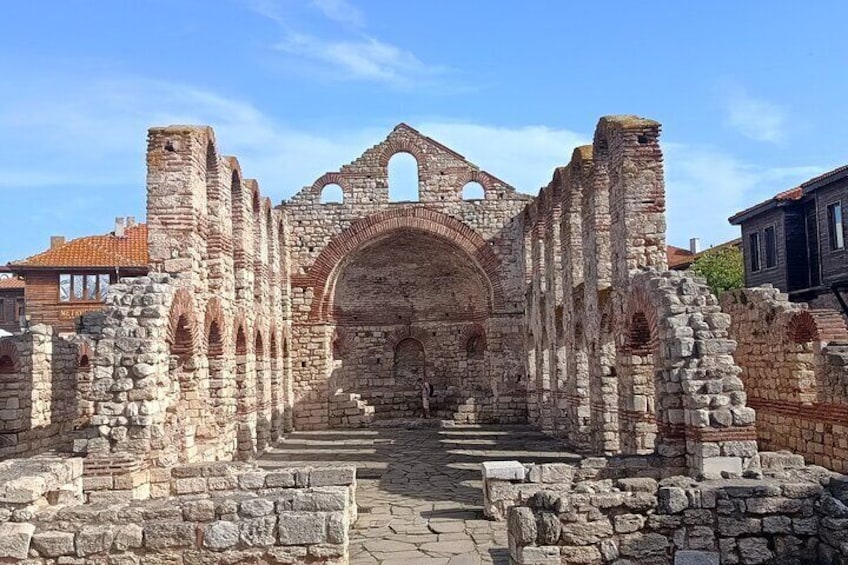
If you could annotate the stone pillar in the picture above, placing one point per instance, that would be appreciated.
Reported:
(574, 395)
(595, 226)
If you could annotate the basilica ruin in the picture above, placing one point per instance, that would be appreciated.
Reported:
(136, 438)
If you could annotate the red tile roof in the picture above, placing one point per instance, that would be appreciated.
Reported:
(678, 256)
(106, 250)
(12, 283)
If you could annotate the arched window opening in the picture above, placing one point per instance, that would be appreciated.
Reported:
(408, 363)
(285, 348)
(473, 191)
(84, 364)
(337, 349)
(7, 365)
(403, 178)
(639, 337)
(241, 343)
(235, 192)
(475, 347)
(215, 340)
(332, 194)
(181, 348)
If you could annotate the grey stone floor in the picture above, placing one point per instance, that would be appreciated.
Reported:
(419, 490)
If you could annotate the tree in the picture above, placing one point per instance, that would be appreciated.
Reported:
(723, 267)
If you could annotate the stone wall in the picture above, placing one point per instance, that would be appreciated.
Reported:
(222, 512)
(39, 372)
(442, 271)
(795, 368)
(789, 515)
(623, 357)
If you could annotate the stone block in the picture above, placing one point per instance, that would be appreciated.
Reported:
(15, 539)
(696, 558)
(672, 500)
(220, 535)
(521, 525)
(754, 551)
(332, 476)
(503, 470)
(715, 467)
(164, 535)
(281, 479)
(129, 536)
(301, 528)
(338, 525)
(94, 539)
(258, 532)
(52, 544)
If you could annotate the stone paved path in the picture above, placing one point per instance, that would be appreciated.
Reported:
(419, 490)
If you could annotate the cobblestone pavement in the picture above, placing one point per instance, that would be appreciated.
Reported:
(419, 490)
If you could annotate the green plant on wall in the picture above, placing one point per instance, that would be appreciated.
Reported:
(724, 268)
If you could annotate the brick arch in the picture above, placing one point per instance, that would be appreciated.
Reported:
(259, 341)
(641, 333)
(84, 356)
(393, 146)
(361, 232)
(474, 175)
(817, 325)
(182, 307)
(331, 178)
(474, 332)
(214, 316)
(418, 334)
(10, 361)
(240, 328)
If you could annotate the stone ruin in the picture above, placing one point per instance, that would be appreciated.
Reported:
(132, 440)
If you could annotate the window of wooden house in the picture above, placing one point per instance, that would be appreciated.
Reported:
(771, 247)
(83, 287)
(2, 310)
(754, 251)
(836, 231)
(20, 308)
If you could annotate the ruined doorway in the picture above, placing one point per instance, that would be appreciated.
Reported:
(409, 364)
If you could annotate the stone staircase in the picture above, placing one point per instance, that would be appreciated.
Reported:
(348, 410)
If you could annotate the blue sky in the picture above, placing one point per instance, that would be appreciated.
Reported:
(752, 95)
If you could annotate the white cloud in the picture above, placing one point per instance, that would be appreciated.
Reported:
(100, 139)
(340, 11)
(94, 147)
(755, 118)
(363, 58)
(705, 186)
(347, 53)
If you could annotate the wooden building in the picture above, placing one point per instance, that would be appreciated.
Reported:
(71, 278)
(12, 305)
(796, 240)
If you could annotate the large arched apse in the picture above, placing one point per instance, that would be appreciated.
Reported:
(406, 301)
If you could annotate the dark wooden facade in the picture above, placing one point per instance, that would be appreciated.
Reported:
(811, 246)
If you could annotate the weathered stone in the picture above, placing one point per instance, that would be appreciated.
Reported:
(522, 526)
(52, 544)
(754, 551)
(300, 528)
(220, 535)
(671, 500)
(91, 540)
(15, 539)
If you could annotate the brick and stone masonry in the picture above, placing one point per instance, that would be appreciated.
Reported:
(556, 310)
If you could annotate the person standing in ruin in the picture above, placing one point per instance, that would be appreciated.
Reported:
(426, 391)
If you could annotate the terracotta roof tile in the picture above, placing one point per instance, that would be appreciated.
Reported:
(11, 283)
(95, 251)
(678, 256)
